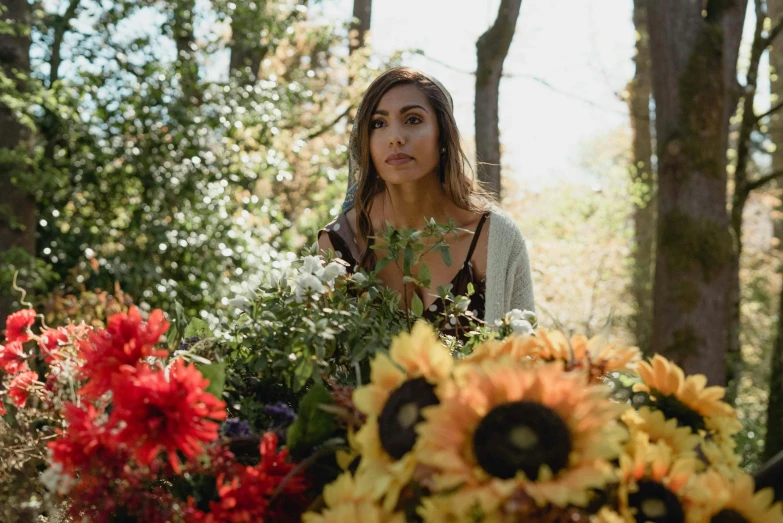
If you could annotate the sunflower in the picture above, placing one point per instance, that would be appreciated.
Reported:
(595, 356)
(519, 348)
(502, 428)
(654, 424)
(686, 399)
(401, 385)
(655, 484)
(352, 500)
(725, 500)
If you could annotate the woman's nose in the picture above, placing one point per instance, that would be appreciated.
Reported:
(396, 135)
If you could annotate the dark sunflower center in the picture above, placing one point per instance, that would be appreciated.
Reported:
(402, 412)
(654, 503)
(728, 516)
(521, 436)
(685, 416)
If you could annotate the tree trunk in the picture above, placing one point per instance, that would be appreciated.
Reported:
(17, 206)
(773, 444)
(492, 48)
(694, 78)
(187, 66)
(643, 182)
(739, 198)
(247, 50)
(362, 14)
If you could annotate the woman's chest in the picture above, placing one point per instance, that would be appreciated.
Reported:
(434, 269)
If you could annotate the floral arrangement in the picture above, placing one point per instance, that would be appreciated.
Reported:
(142, 421)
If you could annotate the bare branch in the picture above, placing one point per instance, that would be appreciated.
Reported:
(774, 32)
(774, 109)
(323, 129)
(755, 184)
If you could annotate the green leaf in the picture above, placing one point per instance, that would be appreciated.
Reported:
(313, 425)
(445, 253)
(216, 374)
(471, 289)
(197, 328)
(407, 260)
(302, 373)
(417, 306)
(424, 275)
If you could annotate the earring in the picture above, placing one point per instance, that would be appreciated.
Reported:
(443, 151)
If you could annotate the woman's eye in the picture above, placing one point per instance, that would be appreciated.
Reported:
(413, 119)
(376, 124)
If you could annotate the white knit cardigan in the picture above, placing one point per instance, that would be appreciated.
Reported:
(509, 282)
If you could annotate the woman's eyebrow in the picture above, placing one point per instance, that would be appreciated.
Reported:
(402, 111)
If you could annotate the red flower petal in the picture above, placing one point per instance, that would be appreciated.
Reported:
(17, 324)
(125, 341)
(155, 413)
(20, 386)
(12, 358)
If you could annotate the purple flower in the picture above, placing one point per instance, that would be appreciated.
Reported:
(236, 428)
(188, 342)
(280, 412)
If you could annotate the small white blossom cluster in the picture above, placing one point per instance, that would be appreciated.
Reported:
(56, 481)
(521, 322)
(315, 278)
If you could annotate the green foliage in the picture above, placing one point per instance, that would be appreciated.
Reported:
(313, 424)
(153, 171)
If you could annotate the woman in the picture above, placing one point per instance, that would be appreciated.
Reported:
(407, 166)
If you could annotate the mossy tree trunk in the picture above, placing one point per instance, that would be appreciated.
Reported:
(694, 59)
(642, 181)
(773, 443)
(17, 205)
(362, 14)
(491, 49)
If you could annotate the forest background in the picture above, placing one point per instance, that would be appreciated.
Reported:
(175, 152)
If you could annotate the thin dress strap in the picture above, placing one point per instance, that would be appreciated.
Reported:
(475, 238)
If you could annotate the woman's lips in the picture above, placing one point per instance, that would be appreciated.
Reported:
(398, 159)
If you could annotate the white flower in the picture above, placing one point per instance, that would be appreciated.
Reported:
(462, 303)
(521, 327)
(241, 303)
(359, 277)
(332, 271)
(312, 265)
(55, 481)
(517, 315)
(306, 285)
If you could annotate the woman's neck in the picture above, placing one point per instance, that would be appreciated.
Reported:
(410, 205)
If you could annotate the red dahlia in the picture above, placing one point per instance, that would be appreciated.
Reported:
(251, 494)
(85, 445)
(16, 325)
(125, 341)
(174, 414)
(12, 358)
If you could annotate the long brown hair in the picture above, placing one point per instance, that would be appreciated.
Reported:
(459, 186)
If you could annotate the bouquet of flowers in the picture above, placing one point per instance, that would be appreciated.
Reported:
(342, 422)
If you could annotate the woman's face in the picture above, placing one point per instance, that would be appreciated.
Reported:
(404, 136)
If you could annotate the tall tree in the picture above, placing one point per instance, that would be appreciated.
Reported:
(17, 204)
(491, 50)
(642, 180)
(693, 50)
(744, 185)
(773, 442)
(362, 16)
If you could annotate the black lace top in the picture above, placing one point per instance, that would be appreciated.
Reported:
(346, 248)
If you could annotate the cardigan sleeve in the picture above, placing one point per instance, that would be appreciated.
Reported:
(522, 281)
